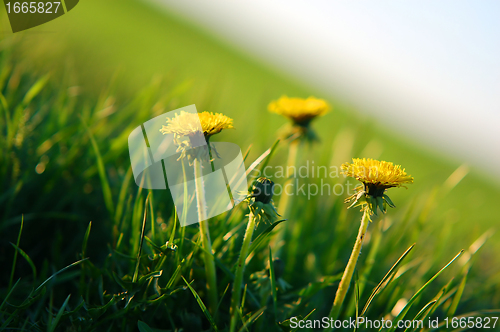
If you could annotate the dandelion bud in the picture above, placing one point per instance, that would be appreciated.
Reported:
(263, 190)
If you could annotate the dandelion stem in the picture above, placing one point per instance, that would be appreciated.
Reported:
(369, 263)
(351, 265)
(240, 268)
(205, 237)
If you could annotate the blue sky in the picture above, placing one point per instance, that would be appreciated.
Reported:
(429, 69)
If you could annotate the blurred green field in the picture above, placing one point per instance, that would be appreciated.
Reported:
(111, 65)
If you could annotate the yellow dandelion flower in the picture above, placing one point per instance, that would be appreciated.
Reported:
(300, 111)
(192, 132)
(376, 176)
(382, 174)
(187, 124)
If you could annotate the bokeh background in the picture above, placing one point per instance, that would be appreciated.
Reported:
(415, 83)
(427, 70)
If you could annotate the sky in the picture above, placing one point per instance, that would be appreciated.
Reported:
(428, 69)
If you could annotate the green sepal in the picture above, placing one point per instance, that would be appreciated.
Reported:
(388, 200)
(263, 211)
(259, 205)
(381, 204)
(271, 212)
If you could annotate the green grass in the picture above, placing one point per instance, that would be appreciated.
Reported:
(68, 102)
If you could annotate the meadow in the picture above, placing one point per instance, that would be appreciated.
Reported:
(83, 248)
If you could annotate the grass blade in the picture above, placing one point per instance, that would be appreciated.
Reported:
(202, 305)
(122, 195)
(272, 277)
(35, 89)
(53, 324)
(222, 297)
(252, 319)
(106, 190)
(7, 297)
(385, 278)
(172, 234)
(262, 236)
(152, 217)
(268, 153)
(139, 252)
(403, 312)
(422, 312)
(28, 259)
(305, 318)
(143, 327)
(58, 272)
(458, 295)
(15, 252)
(286, 324)
(85, 240)
(247, 152)
(436, 304)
